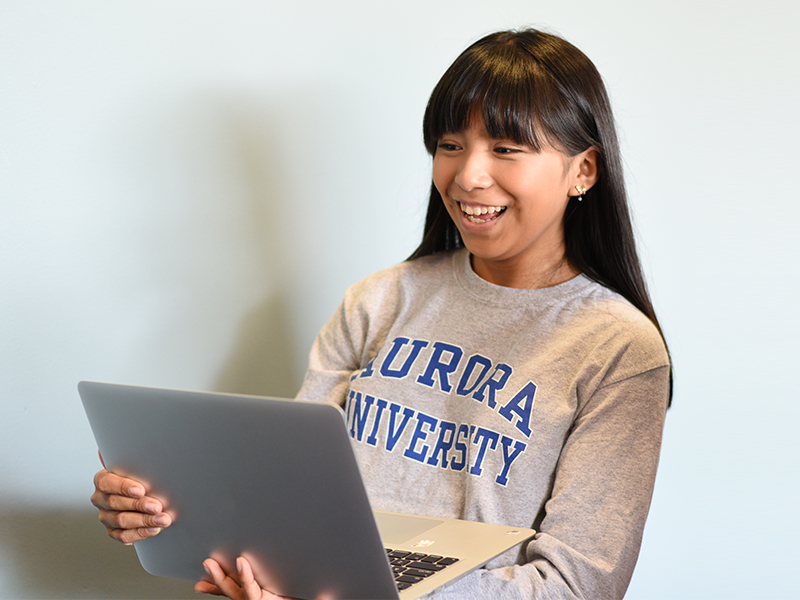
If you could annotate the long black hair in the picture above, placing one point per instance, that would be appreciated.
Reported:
(538, 89)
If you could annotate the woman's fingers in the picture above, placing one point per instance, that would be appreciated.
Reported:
(133, 520)
(130, 527)
(242, 585)
(130, 536)
(127, 494)
(112, 483)
(220, 581)
(252, 590)
(128, 514)
(206, 586)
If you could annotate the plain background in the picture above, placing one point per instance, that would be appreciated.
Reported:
(187, 188)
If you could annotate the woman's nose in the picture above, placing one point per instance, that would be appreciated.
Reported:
(473, 172)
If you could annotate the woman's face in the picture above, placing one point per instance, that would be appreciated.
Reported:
(507, 201)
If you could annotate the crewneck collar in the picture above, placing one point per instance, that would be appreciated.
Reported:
(500, 295)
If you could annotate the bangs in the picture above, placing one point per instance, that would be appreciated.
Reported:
(503, 85)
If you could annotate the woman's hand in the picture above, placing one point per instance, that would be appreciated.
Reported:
(125, 509)
(241, 586)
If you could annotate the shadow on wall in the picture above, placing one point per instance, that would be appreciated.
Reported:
(220, 169)
(261, 360)
(261, 363)
(67, 554)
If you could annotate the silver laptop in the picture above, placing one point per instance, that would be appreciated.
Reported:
(277, 482)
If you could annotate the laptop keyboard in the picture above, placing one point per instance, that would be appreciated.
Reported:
(412, 567)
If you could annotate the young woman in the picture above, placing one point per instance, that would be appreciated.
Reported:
(512, 370)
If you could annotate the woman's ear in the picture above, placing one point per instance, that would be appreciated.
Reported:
(585, 169)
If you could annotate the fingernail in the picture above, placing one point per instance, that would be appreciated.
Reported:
(136, 490)
(151, 507)
(239, 564)
(205, 566)
(153, 530)
(162, 520)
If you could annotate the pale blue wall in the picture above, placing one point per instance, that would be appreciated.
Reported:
(186, 189)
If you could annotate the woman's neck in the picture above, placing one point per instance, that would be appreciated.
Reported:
(531, 277)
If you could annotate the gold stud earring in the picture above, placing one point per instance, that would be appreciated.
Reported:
(581, 192)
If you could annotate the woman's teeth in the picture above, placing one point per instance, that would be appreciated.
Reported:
(473, 213)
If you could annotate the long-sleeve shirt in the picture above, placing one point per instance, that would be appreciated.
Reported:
(540, 408)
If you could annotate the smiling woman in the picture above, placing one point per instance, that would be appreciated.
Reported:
(512, 370)
(507, 201)
(542, 94)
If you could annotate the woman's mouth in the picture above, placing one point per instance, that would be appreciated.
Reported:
(480, 214)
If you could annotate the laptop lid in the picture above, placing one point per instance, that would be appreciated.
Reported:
(274, 480)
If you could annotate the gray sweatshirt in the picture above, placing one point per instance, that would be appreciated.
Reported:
(536, 408)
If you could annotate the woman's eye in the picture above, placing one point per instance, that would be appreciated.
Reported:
(505, 150)
(448, 146)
